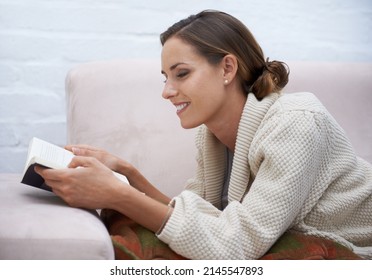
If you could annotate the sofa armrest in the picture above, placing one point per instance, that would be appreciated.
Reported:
(36, 224)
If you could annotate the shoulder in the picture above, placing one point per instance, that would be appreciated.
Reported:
(295, 115)
(299, 101)
(303, 106)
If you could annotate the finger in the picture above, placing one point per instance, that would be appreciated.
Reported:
(44, 172)
(77, 151)
(53, 178)
(80, 161)
(68, 147)
(38, 168)
(81, 146)
(82, 150)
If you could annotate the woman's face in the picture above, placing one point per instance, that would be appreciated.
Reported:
(194, 86)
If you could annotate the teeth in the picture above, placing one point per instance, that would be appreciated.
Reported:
(181, 106)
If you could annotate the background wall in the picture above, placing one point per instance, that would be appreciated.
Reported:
(41, 40)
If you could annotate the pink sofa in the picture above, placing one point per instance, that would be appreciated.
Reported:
(117, 105)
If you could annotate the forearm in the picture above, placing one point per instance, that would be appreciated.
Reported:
(143, 209)
(138, 181)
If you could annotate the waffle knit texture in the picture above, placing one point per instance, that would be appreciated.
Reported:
(293, 168)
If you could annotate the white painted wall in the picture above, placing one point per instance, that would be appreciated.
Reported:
(41, 40)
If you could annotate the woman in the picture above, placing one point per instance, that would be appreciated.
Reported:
(267, 162)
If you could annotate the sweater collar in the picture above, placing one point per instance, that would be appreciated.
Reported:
(253, 113)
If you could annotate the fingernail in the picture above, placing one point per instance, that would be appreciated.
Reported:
(75, 150)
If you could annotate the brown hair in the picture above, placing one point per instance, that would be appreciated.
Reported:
(215, 34)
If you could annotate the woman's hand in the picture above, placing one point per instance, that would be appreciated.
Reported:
(109, 160)
(134, 176)
(87, 183)
(90, 183)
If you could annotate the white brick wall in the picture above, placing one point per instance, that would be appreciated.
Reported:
(41, 39)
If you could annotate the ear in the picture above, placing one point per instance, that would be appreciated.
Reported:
(230, 67)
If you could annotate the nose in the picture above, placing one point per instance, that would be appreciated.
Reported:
(169, 91)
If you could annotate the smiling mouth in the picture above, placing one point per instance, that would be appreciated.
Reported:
(181, 107)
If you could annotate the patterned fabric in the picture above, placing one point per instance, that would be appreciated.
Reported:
(297, 246)
(134, 242)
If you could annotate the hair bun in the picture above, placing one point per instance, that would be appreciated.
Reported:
(274, 78)
(279, 71)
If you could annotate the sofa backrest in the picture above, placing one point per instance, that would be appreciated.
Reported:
(117, 105)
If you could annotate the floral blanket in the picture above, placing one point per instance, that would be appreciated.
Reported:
(134, 242)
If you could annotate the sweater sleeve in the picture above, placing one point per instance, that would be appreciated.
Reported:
(284, 157)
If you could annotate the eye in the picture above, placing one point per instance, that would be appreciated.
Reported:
(182, 74)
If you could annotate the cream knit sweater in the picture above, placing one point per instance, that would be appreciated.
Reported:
(293, 167)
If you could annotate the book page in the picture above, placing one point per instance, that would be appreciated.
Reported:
(57, 156)
(52, 156)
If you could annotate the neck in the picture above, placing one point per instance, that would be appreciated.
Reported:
(225, 128)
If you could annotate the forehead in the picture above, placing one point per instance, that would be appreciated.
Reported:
(177, 51)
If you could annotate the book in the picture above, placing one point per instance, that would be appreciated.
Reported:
(48, 155)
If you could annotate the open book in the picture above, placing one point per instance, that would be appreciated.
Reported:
(48, 155)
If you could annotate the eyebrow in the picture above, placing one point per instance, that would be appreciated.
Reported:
(174, 66)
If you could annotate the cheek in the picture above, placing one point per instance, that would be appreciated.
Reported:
(211, 92)
(205, 85)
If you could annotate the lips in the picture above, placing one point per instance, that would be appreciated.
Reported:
(181, 106)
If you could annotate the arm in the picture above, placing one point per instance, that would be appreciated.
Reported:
(94, 186)
(135, 178)
(138, 181)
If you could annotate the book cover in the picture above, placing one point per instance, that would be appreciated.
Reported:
(47, 155)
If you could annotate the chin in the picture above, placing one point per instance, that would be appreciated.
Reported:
(189, 125)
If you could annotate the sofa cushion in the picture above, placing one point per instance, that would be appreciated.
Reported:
(36, 224)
